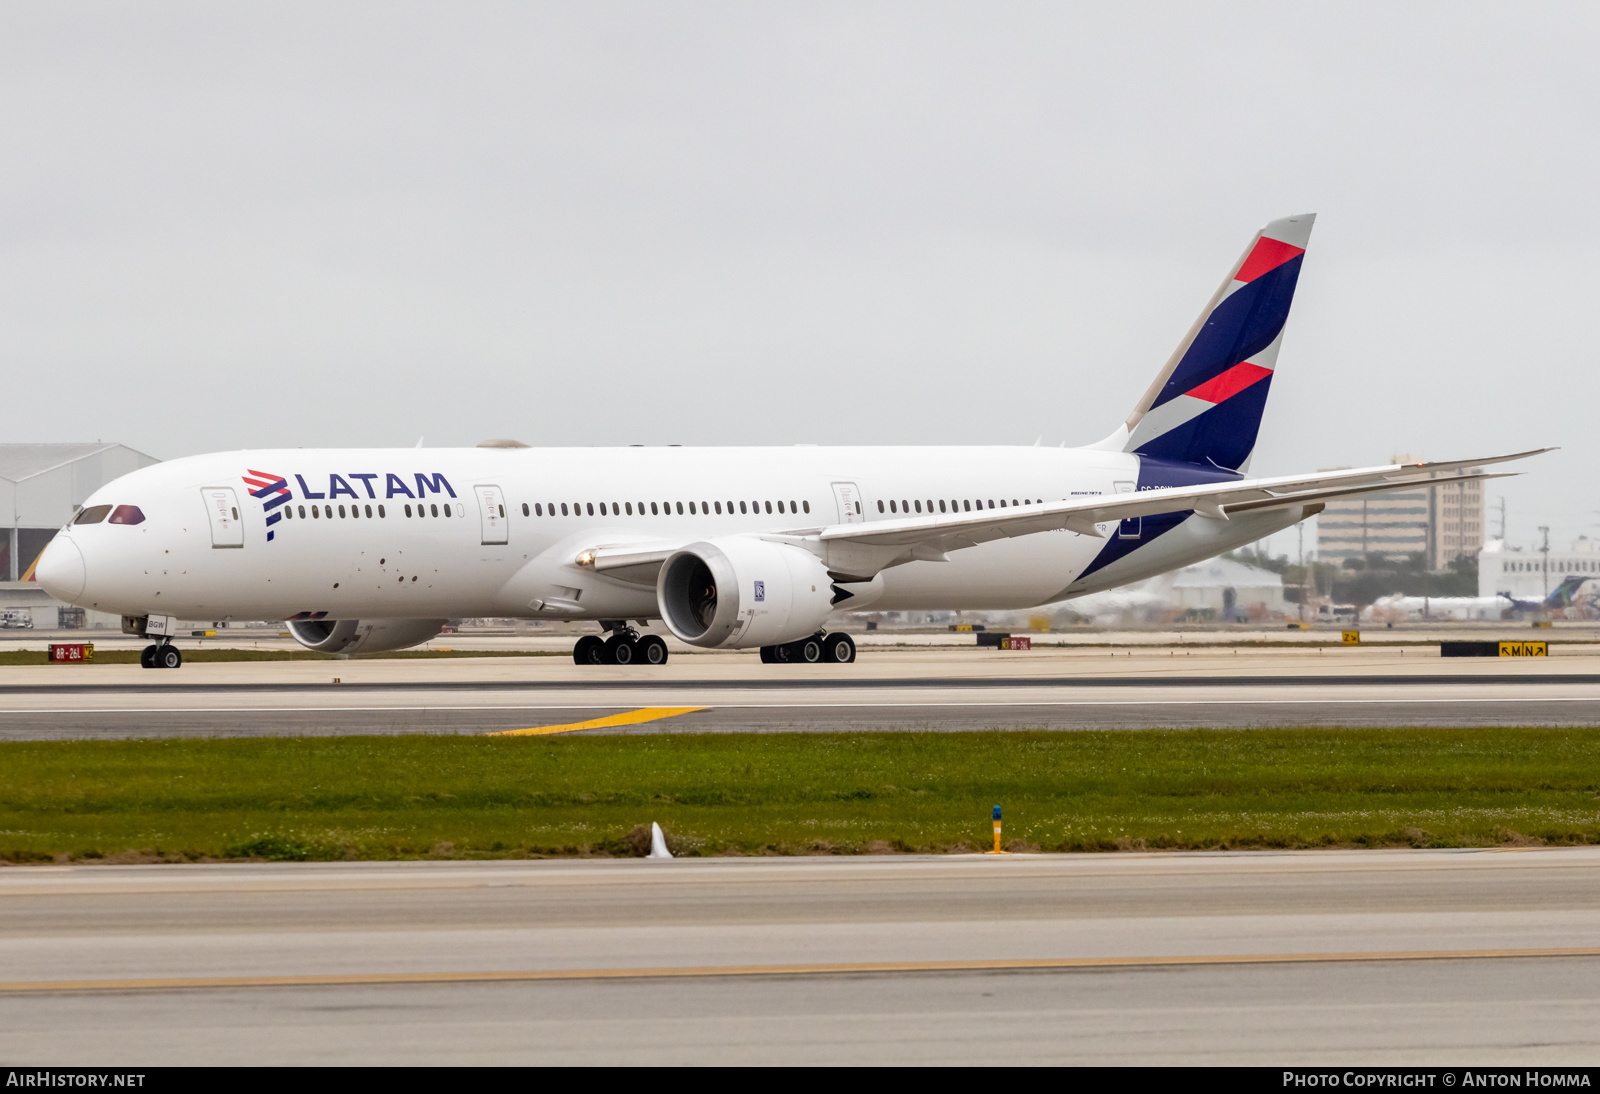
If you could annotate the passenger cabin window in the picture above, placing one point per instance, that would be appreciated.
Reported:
(382, 512)
(680, 508)
(92, 515)
(288, 512)
(919, 505)
(563, 508)
(315, 515)
(408, 510)
(941, 505)
(780, 507)
(807, 504)
(653, 509)
(769, 507)
(880, 505)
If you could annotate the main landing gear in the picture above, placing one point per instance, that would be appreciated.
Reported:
(164, 655)
(834, 649)
(624, 646)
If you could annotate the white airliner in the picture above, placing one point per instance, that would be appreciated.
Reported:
(364, 550)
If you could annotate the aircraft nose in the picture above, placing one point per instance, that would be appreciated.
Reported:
(60, 570)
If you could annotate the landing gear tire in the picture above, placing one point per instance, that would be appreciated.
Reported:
(620, 650)
(652, 650)
(807, 650)
(839, 649)
(589, 651)
(168, 657)
(147, 657)
(769, 655)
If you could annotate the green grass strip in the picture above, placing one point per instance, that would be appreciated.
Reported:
(416, 796)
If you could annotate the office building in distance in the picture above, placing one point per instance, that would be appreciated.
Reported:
(1442, 522)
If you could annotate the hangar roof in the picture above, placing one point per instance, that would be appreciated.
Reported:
(23, 461)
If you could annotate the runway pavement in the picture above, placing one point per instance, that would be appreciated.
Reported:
(889, 690)
(1353, 958)
(936, 690)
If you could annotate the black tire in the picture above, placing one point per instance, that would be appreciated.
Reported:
(652, 650)
(807, 651)
(620, 650)
(769, 655)
(147, 657)
(839, 649)
(589, 650)
(168, 657)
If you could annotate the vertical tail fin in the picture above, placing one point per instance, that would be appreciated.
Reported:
(1205, 407)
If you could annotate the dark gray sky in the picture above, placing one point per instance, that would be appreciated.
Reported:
(356, 224)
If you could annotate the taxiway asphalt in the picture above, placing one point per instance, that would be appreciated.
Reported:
(1394, 957)
(900, 690)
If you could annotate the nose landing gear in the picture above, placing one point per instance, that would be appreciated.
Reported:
(163, 655)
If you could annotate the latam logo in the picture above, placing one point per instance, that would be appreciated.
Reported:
(274, 490)
(394, 486)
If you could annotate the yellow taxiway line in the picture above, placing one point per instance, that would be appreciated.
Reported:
(627, 718)
(823, 969)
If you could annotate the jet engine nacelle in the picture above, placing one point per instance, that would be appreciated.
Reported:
(737, 592)
(363, 635)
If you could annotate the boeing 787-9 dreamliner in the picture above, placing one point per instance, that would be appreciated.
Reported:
(365, 550)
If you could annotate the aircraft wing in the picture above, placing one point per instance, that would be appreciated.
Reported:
(858, 551)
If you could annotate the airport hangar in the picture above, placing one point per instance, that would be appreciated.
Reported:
(41, 487)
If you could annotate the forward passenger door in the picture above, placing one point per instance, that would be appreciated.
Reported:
(222, 510)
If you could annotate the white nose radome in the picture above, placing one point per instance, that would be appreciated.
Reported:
(60, 570)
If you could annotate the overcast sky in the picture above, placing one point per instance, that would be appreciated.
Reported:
(243, 225)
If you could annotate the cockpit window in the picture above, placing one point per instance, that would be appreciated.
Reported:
(92, 515)
(127, 514)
